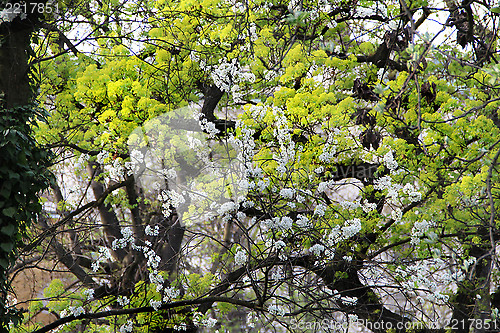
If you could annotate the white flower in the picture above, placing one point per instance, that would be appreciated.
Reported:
(349, 300)
(89, 293)
(285, 223)
(389, 161)
(317, 249)
(352, 228)
(419, 229)
(171, 293)
(347, 258)
(116, 170)
(127, 233)
(287, 193)
(414, 196)
(152, 231)
(276, 310)
(397, 214)
(382, 183)
(319, 169)
(323, 186)
(335, 236)
(331, 24)
(320, 210)
(209, 322)
(122, 300)
(369, 206)
(279, 245)
(76, 310)
(155, 304)
(303, 221)
(102, 156)
(349, 204)
(169, 173)
(208, 127)
(156, 279)
(226, 208)
(180, 327)
(127, 327)
(240, 258)
(365, 12)
(176, 199)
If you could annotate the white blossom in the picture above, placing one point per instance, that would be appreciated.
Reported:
(102, 156)
(287, 193)
(76, 310)
(397, 214)
(334, 236)
(240, 258)
(127, 327)
(320, 210)
(279, 245)
(122, 300)
(171, 293)
(155, 231)
(89, 294)
(317, 249)
(369, 206)
(389, 161)
(208, 127)
(227, 207)
(169, 173)
(276, 310)
(285, 223)
(155, 304)
(349, 300)
(351, 205)
(419, 229)
(382, 183)
(352, 228)
(209, 322)
(303, 221)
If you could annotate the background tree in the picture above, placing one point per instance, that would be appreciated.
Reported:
(312, 98)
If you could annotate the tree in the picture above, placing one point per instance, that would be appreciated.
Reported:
(296, 101)
(23, 162)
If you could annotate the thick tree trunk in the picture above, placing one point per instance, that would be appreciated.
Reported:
(14, 81)
(15, 91)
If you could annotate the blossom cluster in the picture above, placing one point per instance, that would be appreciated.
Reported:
(276, 310)
(240, 258)
(338, 234)
(278, 223)
(282, 132)
(201, 320)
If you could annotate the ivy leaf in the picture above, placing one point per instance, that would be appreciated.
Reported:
(9, 212)
(8, 230)
(4, 263)
(495, 10)
(7, 247)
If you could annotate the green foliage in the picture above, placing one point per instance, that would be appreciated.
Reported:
(23, 172)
